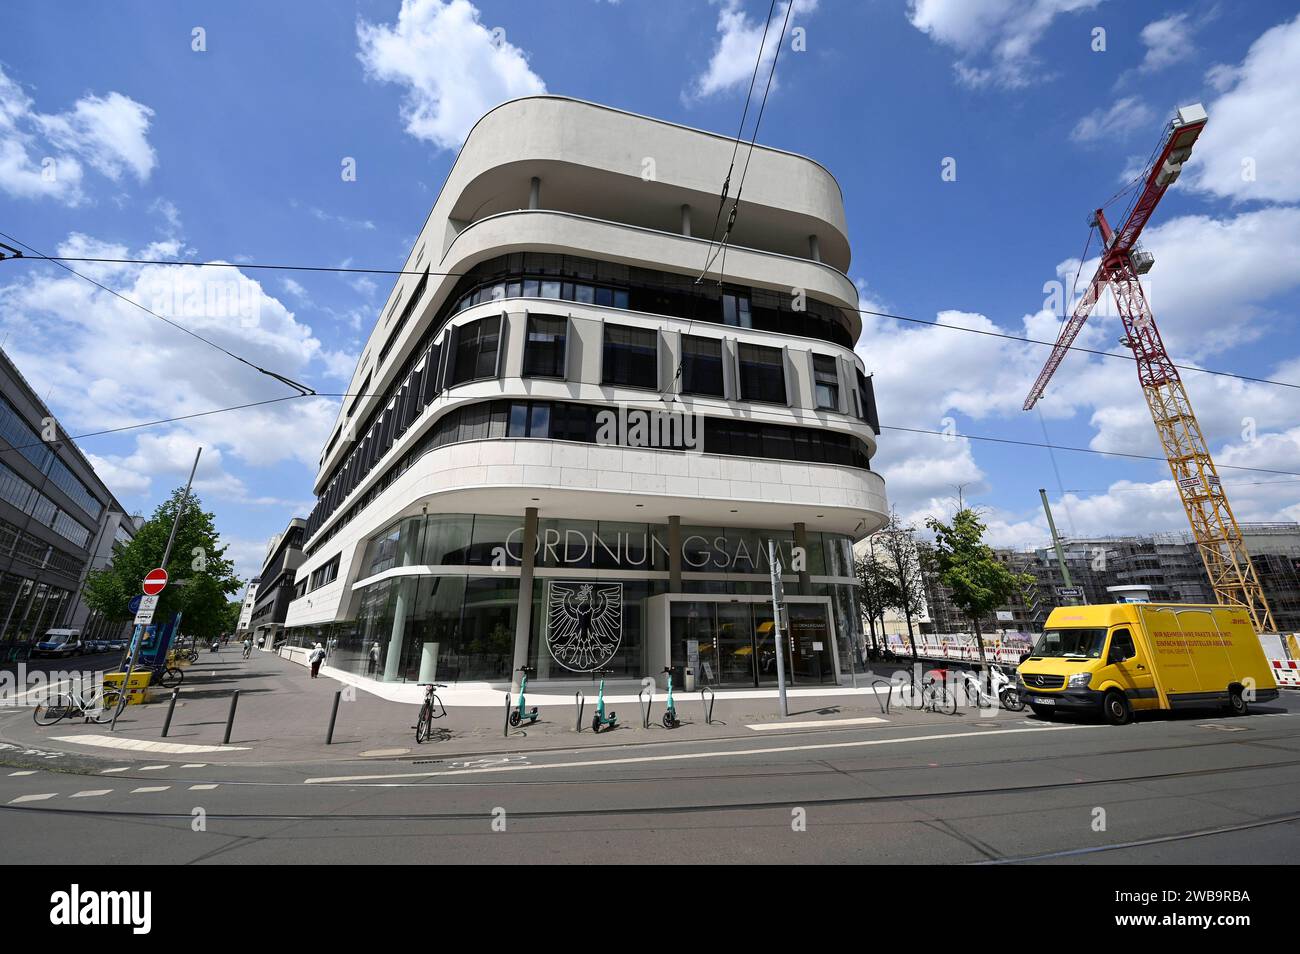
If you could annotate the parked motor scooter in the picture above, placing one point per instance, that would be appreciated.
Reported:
(1000, 686)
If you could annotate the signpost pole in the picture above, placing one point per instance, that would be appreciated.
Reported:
(138, 636)
(774, 565)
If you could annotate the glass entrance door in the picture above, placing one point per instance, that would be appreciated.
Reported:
(810, 643)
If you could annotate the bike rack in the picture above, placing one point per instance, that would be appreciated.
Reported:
(580, 701)
(505, 731)
(171, 707)
(889, 694)
(645, 707)
(707, 704)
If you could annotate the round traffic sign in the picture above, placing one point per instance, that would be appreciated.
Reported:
(154, 581)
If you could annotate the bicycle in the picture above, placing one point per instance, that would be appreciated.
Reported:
(248, 650)
(430, 710)
(101, 705)
(933, 695)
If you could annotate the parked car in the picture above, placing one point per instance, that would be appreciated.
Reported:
(60, 642)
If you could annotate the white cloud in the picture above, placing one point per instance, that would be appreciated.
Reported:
(1168, 41)
(1123, 117)
(42, 154)
(129, 367)
(732, 64)
(453, 67)
(1251, 146)
(994, 39)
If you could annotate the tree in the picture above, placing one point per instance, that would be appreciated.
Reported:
(872, 596)
(200, 578)
(978, 580)
(905, 590)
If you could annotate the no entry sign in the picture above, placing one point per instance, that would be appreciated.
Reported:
(154, 581)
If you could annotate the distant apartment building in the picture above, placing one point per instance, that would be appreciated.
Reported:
(1167, 565)
(58, 521)
(246, 606)
(276, 581)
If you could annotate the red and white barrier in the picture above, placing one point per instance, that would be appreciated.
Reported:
(1286, 672)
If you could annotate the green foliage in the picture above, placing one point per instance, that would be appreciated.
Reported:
(201, 579)
(979, 581)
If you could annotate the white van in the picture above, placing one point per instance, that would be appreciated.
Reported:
(60, 642)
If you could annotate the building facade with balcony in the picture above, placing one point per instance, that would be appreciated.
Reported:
(567, 449)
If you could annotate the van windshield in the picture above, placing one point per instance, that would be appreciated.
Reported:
(1071, 643)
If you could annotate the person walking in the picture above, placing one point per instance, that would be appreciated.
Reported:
(374, 657)
(316, 657)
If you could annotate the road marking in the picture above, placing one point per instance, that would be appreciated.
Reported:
(144, 789)
(142, 745)
(201, 788)
(112, 770)
(27, 772)
(153, 768)
(637, 760)
(818, 724)
(195, 765)
(31, 798)
(91, 793)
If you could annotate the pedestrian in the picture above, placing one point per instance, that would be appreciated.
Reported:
(374, 657)
(316, 657)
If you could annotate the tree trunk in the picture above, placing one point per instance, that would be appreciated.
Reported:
(979, 641)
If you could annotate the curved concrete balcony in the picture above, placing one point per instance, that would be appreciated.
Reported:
(639, 169)
(544, 230)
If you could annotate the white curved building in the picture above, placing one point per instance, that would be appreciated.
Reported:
(564, 452)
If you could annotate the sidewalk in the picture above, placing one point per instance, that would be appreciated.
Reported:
(283, 716)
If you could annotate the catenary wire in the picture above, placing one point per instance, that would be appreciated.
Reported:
(1007, 336)
(301, 388)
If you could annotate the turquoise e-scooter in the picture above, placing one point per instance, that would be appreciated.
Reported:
(670, 719)
(601, 719)
(521, 712)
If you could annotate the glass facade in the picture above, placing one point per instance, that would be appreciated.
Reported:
(456, 616)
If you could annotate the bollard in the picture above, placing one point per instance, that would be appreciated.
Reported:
(580, 702)
(334, 714)
(230, 719)
(505, 731)
(171, 707)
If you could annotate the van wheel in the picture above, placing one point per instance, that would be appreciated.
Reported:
(1236, 702)
(1043, 712)
(1116, 708)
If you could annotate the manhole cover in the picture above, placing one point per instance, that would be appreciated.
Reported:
(382, 753)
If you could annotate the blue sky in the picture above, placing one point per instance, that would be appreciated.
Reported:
(234, 154)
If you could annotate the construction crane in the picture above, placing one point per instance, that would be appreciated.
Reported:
(1218, 537)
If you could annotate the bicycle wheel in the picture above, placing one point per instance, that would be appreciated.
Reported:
(105, 704)
(424, 724)
(913, 696)
(48, 713)
(171, 677)
(945, 701)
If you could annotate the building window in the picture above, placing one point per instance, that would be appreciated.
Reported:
(631, 357)
(702, 366)
(826, 382)
(545, 349)
(476, 350)
(326, 573)
(735, 310)
(762, 374)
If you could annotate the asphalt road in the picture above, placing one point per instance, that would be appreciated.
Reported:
(1193, 789)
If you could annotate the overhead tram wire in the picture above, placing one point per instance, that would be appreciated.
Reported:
(735, 146)
(1077, 450)
(762, 107)
(685, 282)
(740, 188)
(302, 389)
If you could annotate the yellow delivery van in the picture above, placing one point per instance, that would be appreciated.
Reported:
(1118, 658)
